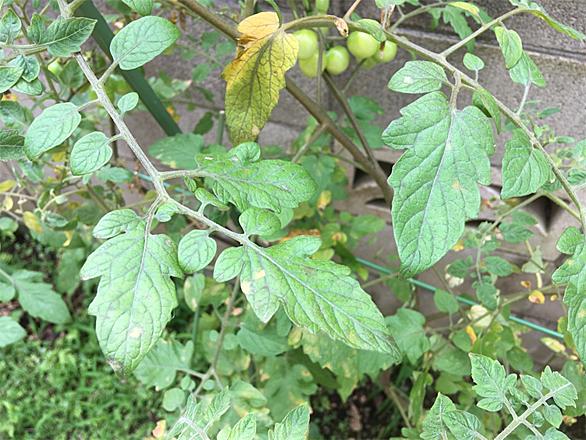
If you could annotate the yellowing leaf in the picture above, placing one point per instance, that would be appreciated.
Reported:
(7, 185)
(469, 7)
(537, 297)
(258, 26)
(553, 344)
(32, 222)
(257, 74)
(7, 203)
(160, 428)
(471, 333)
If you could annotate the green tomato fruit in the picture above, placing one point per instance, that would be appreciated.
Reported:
(337, 60)
(309, 65)
(388, 54)
(322, 6)
(308, 43)
(369, 63)
(55, 68)
(362, 45)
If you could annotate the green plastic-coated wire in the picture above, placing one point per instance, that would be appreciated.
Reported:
(462, 299)
(103, 36)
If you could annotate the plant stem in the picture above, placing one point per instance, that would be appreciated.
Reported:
(479, 31)
(351, 9)
(416, 12)
(343, 101)
(524, 99)
(530, 410)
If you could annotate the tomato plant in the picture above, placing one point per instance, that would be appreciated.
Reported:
(226, 274)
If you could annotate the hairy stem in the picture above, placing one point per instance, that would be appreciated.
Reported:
(530, 410)
(450, 50)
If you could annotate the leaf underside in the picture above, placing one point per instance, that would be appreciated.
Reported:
(436, 179)
(135, 295)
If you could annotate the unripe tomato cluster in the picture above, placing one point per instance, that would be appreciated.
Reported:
(336, 60)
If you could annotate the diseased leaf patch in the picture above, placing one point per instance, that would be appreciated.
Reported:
(135, 295)
(240, 178)
(318, 295)
(436, 179)
(256, 76)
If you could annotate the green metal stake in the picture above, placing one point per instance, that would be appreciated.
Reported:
(103, 36)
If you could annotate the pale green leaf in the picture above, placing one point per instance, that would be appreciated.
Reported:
(525, 168)
(238, 177)
(487, 293)
(468, 7)
(10, 331)
(143, 7)
(51, 128)
(173, 399)
(418, 77)
(116, 222)
(11, 145)
(245, 429)
(10, 26)
(317, 295)
(90, 153)
(30, 66)
(261, 339)
(538, 11)
(573, 274)
(510, 44)
(178, 151)
(261, 222)
(32, 88)
(473, 62)
(7, 291)
(295, 425)
(160, 366)
(229, 264)
(135, 295)
(434, 427)
(552, 434)
(435, 180)
(407, 329)
(9, 75)
(463, 425)
(197, 418)
(492, 382)
(256, 76)
(349, 365)
(39, 299)
(445, 301)
(66, 35)
(570, 239)
(561, 389)
(498, 266)
(526, 71)
(553, 415)
(486, 102)
(196, 250)
(142, 40)
(127, 102)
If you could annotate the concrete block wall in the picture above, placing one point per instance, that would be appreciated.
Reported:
(563, 63)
